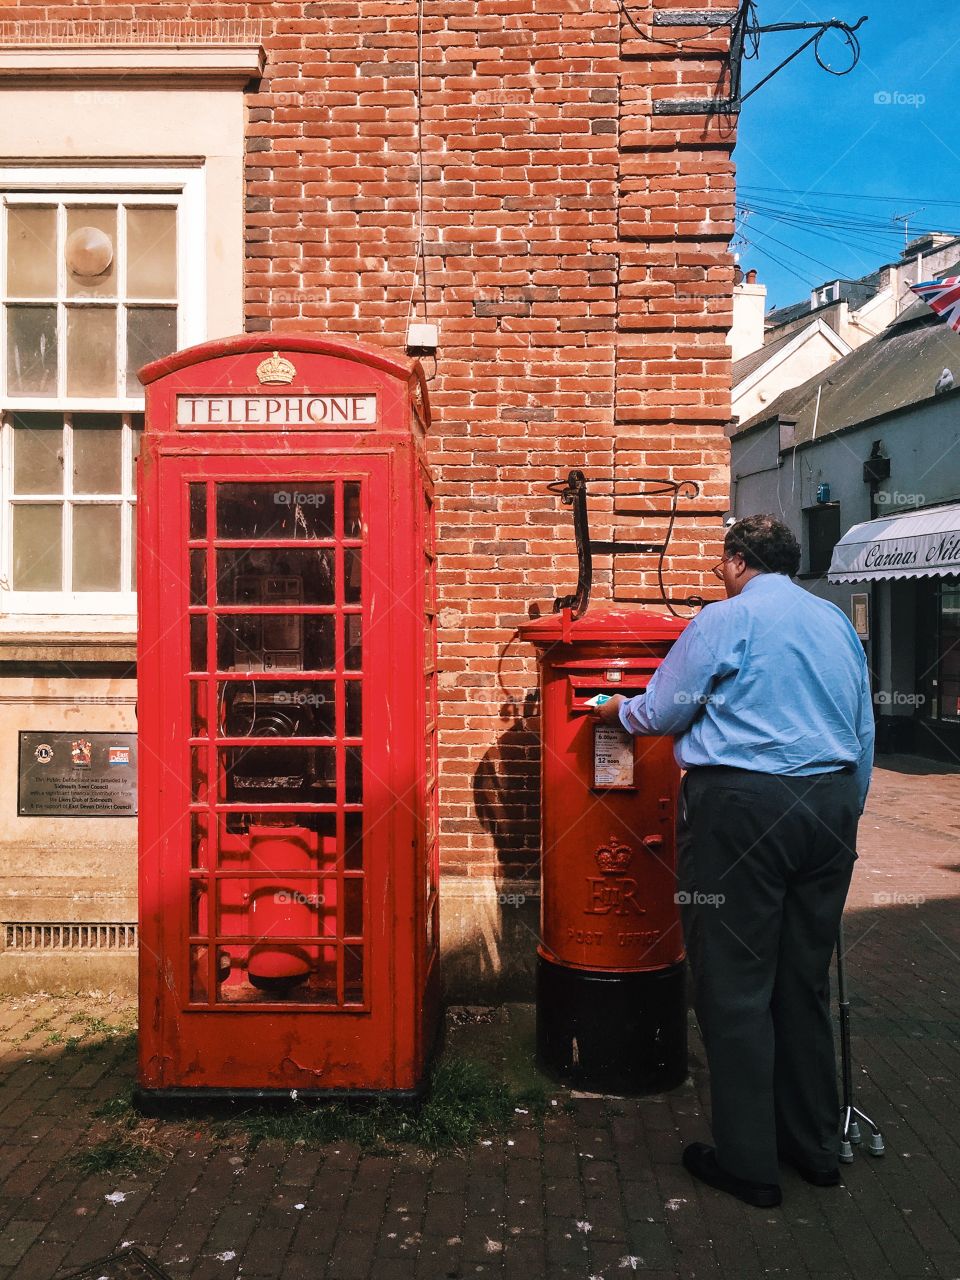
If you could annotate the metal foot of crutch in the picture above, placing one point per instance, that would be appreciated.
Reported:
(851, 1116)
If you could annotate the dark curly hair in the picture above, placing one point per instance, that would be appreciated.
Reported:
(765, 544)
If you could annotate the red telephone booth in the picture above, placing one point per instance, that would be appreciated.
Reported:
(611, 1012)
(287, 712)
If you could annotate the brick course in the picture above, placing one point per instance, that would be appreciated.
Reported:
(575, 257)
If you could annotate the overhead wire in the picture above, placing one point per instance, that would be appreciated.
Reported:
(850, 195)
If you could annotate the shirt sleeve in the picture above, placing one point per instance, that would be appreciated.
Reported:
(866, 732)
(679, 688)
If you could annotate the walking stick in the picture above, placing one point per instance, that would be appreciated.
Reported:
(851, 1115)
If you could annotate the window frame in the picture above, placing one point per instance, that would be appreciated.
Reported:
(149, 184)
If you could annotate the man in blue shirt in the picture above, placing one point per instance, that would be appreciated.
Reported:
(767, 695)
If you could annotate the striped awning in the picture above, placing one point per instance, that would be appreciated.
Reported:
(915, 544)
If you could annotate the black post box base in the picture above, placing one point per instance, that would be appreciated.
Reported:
(612, 1032)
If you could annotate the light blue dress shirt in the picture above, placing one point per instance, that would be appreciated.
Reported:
(773, 679)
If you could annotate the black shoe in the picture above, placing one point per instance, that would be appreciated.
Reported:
(816, 1177)
(701, 1161)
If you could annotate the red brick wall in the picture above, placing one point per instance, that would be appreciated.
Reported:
(576, 262)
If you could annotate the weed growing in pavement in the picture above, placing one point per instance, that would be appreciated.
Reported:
(115, 1155)
(465, 1100)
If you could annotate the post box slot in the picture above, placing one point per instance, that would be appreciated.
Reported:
(580, 689)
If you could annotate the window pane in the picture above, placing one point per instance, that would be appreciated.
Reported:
(275, 576)
(136, 438)
(92, 351)
(198, 511)
(352, 516)
(97, 441)
(275, 510)
(131, 515)
(352, 573)
(96, 548)
(275, 709)
(273, 642)
(151, 333)
(152, 253)
(352, 642)
(32, 351)
(38, 453)
(353, 708)
(279, 775)
(37, 555)
(90, 251)
(32, 251)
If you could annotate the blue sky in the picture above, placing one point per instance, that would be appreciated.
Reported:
(824, 163)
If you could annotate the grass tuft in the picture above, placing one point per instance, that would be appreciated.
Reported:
(465, 1100)
(114, 1155)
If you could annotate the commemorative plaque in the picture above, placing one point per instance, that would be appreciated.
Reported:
(77, 775)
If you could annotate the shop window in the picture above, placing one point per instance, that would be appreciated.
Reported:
(948, 657)
(94, 288)
(822, 533)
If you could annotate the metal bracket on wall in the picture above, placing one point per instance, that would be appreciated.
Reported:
(745, 33)
(573, 493)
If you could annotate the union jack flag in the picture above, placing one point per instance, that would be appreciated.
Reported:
(943, 296)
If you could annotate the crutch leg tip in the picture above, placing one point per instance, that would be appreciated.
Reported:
(846, 1153)
(876, 1147)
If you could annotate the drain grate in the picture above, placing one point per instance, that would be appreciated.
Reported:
(129, 1264)
(31, 936)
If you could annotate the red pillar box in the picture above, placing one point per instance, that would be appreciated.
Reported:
(287, 712)
(611, 1012)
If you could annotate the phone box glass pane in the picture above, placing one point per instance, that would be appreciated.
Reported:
(276, 709)
(275, 576)
(287, 510)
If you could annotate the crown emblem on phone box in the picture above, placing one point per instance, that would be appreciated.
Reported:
(276, 369)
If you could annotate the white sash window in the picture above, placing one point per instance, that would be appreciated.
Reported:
(101, 273)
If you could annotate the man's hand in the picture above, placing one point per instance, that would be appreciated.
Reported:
(609, 713)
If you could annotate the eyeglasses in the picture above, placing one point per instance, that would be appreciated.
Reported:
(717, 569)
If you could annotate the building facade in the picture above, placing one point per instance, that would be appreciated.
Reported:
(511, 171)
(863, 463)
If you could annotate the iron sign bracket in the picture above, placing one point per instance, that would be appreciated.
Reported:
(573, 493)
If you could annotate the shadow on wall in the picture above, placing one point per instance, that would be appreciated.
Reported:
(492, 922)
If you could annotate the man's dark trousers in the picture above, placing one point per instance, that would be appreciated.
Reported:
(764, 864)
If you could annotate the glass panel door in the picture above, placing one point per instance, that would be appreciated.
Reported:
(276, 581)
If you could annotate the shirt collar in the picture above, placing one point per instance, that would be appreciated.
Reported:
(760, 577)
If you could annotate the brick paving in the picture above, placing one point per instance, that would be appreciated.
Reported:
(599, 1192)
